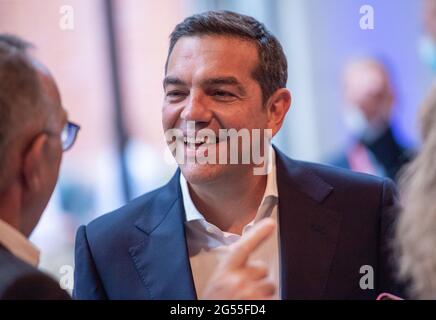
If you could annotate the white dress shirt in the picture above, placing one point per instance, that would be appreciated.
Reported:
(16, 243)
(206, 241)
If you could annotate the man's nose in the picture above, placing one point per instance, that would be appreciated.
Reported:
(196, 109)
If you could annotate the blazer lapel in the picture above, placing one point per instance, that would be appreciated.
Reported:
(308, 235)
(308, 230)
(161, 258)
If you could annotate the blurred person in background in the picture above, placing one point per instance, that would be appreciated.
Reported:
(34, 132)
(370, 100)
(416, 231)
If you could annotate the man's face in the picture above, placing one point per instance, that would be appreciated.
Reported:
(367, 88)
(209, 81)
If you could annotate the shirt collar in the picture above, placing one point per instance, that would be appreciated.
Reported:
(271, 182)
(192, 214)
(18, 244)
(271, 191)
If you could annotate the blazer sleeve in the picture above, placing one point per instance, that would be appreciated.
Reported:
(388, 276)
(87, 282)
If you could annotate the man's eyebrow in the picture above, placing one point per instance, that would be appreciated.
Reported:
(226, 81)
(174, 81)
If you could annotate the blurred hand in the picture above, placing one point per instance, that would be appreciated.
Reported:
(237, 279)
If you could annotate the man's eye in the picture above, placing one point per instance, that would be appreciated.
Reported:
(175, 95)
(224, 94)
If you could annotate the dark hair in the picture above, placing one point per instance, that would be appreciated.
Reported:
(20, 94)
(272, 71)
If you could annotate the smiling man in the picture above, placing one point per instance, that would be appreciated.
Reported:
(218, 229)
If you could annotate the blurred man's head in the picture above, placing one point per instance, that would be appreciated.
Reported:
(31, 123)
(224, 71)
(368, 93)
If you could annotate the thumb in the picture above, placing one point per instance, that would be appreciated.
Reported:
(241, 250)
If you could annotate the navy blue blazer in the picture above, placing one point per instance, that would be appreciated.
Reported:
(332, 222)
(21, 281)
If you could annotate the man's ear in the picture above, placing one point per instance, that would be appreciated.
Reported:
(33, 163)
(278, 105)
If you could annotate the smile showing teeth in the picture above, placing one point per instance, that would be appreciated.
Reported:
(196, 140)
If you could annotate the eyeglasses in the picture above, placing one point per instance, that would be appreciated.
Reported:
(69, 135)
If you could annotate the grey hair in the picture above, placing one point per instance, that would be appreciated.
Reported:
(416, 230)
(21, 97)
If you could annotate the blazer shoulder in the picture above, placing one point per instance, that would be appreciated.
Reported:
(117, 225)
(365, 189)
(336, 176)
(19, 280)
(126, 214)
(12, 267)
(331, 175)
